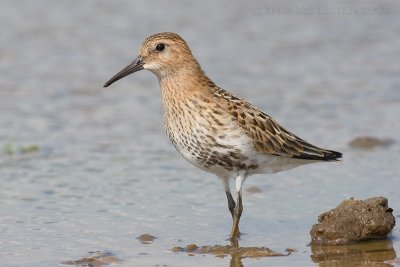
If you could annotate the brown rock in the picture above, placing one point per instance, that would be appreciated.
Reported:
(352, 221)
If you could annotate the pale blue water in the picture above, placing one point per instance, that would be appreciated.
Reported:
(106, 172)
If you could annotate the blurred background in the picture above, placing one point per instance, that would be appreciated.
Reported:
(85, 168)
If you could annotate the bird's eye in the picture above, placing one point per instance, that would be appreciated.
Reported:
(160, 47)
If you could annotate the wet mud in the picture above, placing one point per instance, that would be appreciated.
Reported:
(236, 252)
(222, 251)
(97, 258)
(368, 142)
(146, 238)
(253, 190)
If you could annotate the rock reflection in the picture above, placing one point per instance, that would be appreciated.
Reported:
(374, 252)
(233, 250)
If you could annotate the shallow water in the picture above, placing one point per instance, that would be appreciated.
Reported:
(105, 172)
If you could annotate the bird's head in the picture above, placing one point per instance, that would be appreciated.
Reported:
(163, 54)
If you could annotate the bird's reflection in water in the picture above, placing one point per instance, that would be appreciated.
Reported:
(233, 250)
(376, 252)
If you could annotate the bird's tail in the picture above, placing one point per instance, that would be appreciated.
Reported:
(330, 155)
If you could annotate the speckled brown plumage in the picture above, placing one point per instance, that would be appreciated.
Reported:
(213, 129)
(267, 135)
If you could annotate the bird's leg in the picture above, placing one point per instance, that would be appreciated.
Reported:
(237, 212)
(236, 217)
(231, 203)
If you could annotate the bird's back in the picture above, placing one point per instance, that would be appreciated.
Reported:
(268, 136)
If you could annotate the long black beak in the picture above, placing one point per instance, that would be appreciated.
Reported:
(135, 66)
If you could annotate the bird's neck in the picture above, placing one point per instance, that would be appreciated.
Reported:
(185, 83)
(184, 94)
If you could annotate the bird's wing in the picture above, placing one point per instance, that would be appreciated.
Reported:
(271, 138)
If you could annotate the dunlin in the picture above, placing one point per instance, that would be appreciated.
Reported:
(213, 129)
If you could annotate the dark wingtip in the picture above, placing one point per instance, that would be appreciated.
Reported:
(332, 155)
(328, 155)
